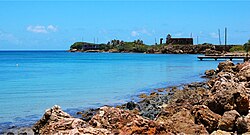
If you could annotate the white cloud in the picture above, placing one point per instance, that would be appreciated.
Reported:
(9, 37)
(41, 29)
(52, 28)
(134, 33)
(214, 35)
(37, 29)
(143, 31)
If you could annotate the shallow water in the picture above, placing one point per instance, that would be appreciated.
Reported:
(32, 81)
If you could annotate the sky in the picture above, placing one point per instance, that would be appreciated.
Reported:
(55, 25)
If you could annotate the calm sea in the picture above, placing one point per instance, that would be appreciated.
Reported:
(32, 81)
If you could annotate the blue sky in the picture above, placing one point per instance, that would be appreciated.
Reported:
(37, 25)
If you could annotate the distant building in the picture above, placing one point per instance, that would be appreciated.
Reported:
(179, 41)
(161, 39)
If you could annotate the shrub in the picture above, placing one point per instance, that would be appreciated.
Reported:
(238, 48)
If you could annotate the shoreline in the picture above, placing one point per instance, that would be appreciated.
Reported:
(167, 105)
(134, 98)
(198, 108)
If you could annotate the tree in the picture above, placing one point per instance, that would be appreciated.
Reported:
(247, 46)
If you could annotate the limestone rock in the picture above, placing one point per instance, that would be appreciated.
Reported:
(121, 121)
(55, 121)
(181, 122)
(227, 122)
(203, 115)
(210, 73)
(243, 124)
(220, 132)
(225, 66)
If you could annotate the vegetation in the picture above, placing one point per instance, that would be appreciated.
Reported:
(247, 46)
(77, 45)
(119, 45)
(139, 47)
(238, 48)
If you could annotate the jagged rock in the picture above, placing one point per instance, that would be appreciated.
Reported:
(228, 96)
(55, 121)
(88, 114)
(151, 106)
(210, 73)
(243, 66)
(241, 125)
(130, 105)
(20, 131)
(203, 115)
(225, 66)
(220, 132)
(181, 122)
(227, 122)
(121, 121)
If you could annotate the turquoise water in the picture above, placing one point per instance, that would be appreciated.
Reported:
(32, 81)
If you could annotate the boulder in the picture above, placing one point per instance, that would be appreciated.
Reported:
(227, 122)
(55, 121)
(228, 96)
(243, 124)
(220, 132)
(121, 121)
(203, 115)
(181, 122)
(210, 73)
(226, 66)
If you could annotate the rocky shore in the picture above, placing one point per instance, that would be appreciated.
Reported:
(164, 49)
(218, 106)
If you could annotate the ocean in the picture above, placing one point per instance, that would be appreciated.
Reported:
(32, 81)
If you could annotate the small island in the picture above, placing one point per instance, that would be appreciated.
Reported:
(171, 46)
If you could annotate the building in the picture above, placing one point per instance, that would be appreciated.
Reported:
(178, 41)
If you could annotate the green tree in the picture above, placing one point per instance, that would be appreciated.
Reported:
(247, 46)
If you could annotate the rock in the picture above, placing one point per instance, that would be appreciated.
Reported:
(131, 105)
(88, 114)
(20, 131)
(210, 73)
(228, 96)
(227, 122)
(203, 115)
(181, 122)
(225, 66)
(220, 132)
(241, 125)
(151, 106)
(120, 121)
(243, 66)
(154, 94)
(143, 95)
(245, 74)
(55, 121)
(242, 102)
